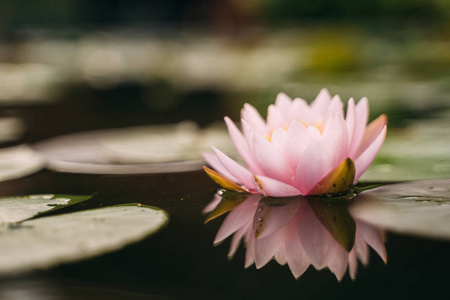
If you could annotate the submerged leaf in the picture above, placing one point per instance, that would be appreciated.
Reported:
(337, 181)
(44, 242)
(229, 201)
(19, 208)
(333, 214)
(418, 208)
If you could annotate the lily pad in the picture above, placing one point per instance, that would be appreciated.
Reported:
(419, 208)
(45, 242)
(19, 208)
(19, 161)
(134, 150)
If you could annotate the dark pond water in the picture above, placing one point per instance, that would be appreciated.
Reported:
(180, 261)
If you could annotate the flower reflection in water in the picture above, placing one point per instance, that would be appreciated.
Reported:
(295, 231)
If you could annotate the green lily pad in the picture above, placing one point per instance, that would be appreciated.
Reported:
(419, 208)
(45, 242)
(19, 208)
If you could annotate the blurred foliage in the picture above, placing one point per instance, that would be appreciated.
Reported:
(357, 10)
(218, 12)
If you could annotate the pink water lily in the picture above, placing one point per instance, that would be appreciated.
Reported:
(300, 149)
(293, 235)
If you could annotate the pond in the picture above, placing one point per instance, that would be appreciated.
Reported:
(180, 261)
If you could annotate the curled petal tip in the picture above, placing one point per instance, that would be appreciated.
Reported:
(384, 118)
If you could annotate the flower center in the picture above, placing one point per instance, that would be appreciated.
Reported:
(318, 125)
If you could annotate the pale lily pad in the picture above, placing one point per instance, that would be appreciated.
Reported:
(419, 208)
(19, 161)
(134, 150)
(19, 208)
(45, 242)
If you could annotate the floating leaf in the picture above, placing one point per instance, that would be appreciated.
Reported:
(19, 161)
(44, 242)
(19, 208)
(418, 208)
(134, 150)
(333, 214)
(229, 201)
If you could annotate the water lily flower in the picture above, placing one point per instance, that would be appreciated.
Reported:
(292, 234)
(300, 149)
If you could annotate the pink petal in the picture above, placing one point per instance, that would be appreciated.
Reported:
(237, 237)
(296, 256)
(361, 117)
(363, 162)
(280, 255)
(278, 139)
(362, 249)
(275, 118)
(338, 261)
(316, 162)
(248, 131)
(335, 135)
(243, 175)
(315, 239)
(237, 218)
(250, 244)
(352, 264)
(321, 103)
(252, 116)
(350, 119)
(313, 132)
(283, 103)
(299, 110)
(374, 237)
(336, 107)
(269, 219)
(270, 160)
(371, 133)
(295, 142)
(212, 204)
(265, 248)
(214, 162)
(272, 187)
(241, 145)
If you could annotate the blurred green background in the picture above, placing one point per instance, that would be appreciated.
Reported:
(121, 63)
